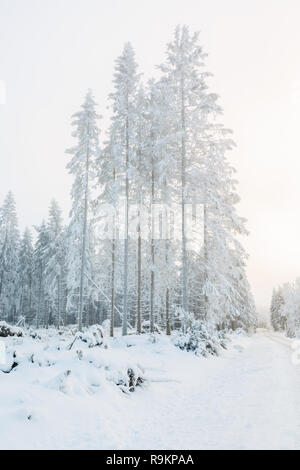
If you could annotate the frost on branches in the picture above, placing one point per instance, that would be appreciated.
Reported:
(165, 146)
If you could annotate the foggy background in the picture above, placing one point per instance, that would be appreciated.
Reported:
(52, 51)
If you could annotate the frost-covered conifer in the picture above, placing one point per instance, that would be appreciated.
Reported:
(9, 250)
(123, 99)
(83, 169)
(56, 263)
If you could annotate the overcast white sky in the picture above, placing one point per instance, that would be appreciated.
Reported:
(51, 51)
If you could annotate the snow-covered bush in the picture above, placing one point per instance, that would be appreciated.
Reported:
(199, 337)
(285, 309)
(146, 327)
(131, 380)
(93, 337)
(7, 330)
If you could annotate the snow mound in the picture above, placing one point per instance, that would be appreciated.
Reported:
(82, 367)
(199, 337)
(93, 337)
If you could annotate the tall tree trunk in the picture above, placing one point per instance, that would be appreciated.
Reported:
(2, 272)
(38, 314)
(84, 234)
(112, 312)
(205, 255)
(113, 267)
(139, 297)
(22, 301)
(30, 296)
(183, 199)
(168, 322)
(58, 301)
(125, 299)
(152, 292)
(1, 282)
(167, 234)
(139, 254)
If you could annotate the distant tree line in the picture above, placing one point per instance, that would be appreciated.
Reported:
(285, 309)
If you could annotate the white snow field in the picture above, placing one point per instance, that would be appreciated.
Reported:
(247, 398)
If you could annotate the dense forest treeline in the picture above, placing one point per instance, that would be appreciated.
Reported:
(164, 147)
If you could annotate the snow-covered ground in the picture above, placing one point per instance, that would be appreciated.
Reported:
(247, 398)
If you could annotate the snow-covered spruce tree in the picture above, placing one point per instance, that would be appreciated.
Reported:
(153, 190)
(83, 168)
(191, 104)
(25, 278)
(55, 280)
(9, 251)
(124, 115)
(150, 169)
(226, 288)
(239, 308)
(227, 297)
(273, 312)
(159, 168)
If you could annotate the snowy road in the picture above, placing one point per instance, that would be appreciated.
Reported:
(249, 398)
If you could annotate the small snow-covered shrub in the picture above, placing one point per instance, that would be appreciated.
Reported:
(7, 330)
(146, 327)
(131, 380)
(199, 337)
(93, 337)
